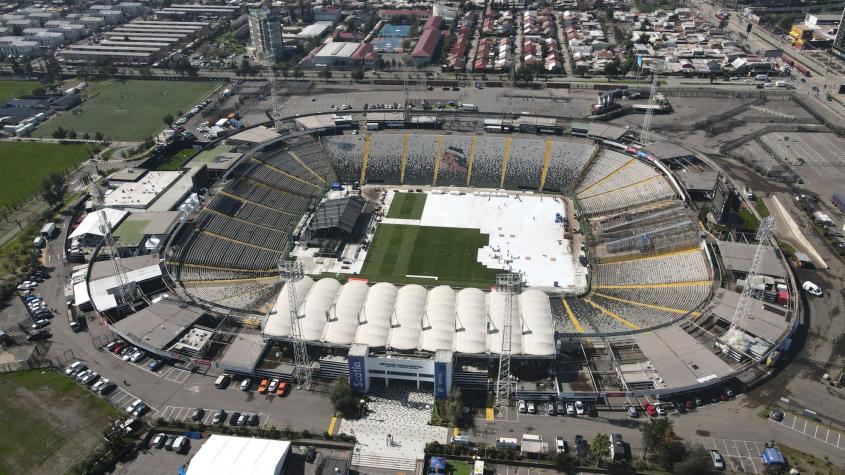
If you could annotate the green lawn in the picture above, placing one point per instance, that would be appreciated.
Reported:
(14, 89)
(47, 422)
(450, 254)
(407, 205)
(26, 164)
(175, 162)
(128, 110)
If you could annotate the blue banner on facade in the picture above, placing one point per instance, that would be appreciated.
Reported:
(357, 373)
(441, 383)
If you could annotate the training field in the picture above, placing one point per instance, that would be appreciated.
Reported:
(26, 164)
(465, 239)
(47, 422)
(128, 110)
(403, 253)
(14, 89)
(407, 205)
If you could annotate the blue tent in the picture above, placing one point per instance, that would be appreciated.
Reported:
(772, 456)
(437, 465)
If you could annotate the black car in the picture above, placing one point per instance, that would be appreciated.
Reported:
(310, 454)
(680, 408)
(581, 446)
(253, 420)
(233, 419)
(777, 415)
(198, 413)
(39, 335)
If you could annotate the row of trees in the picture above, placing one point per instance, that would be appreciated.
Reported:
(61, 133)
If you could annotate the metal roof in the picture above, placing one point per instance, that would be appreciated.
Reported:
(737, 256)
(340, 213)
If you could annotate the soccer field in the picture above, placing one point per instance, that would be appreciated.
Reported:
(26, 164)
(424, 252)
(128, 110)
(407, 205)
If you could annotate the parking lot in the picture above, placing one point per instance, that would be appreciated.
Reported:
(178, 413)
(740, 455)
(169, 373)
(817, 432)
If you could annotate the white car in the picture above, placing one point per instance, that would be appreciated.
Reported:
(579, 408)
(99, 384)
(560, 445)
(812, 288)
(245, 384)
(73, 366)
(718, 462)
(521, 406)
(137, 356)
(570, 409)
(531, 408)
(661, 411)
(129, 354)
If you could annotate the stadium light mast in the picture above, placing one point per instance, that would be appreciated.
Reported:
(649, 112)
(510, 283)
(127, 291)
(734, 338)
(291, 272)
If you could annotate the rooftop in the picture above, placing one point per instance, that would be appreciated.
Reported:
(255, 135)
(338, 50)
(136, 226)
(143, 192)
(223, 454)
(737, 256)
(159, 324)
(217, 158)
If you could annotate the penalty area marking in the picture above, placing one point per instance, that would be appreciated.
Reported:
(411, 276)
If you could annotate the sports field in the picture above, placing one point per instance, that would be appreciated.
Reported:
(47, 422)
(14, 89)
(26, 164)
(425, 252)
(128, 110)
(407, 205)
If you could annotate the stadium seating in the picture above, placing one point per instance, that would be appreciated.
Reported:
(680, 267)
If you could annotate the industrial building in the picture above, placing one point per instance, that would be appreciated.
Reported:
(190, 11)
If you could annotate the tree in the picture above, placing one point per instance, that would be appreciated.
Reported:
(99, 136)
(600, 447)
(53, 189)
(168, 119)
(697, 462)
(326, 74)
(654, 434)
(86, 136)
(298, 74)
(344, 399)
(59, 133)
(612, 68)
(71, 134)
(455, 406)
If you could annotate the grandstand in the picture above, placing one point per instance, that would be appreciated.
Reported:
(226, 254)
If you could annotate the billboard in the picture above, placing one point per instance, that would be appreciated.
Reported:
(358, 373)
(441, 380)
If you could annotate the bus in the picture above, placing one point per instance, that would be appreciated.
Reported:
(73, 319)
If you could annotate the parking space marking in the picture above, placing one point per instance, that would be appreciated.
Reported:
(739, 455)
(171, 373)
(812, 431)
(181, 413)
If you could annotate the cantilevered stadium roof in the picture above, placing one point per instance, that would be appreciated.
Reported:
(412, 318)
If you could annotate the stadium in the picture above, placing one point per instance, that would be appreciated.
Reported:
(403, 236)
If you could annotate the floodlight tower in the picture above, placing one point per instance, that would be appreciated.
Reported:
(734, 338)
(275, 95)
(510, 284)
(652, 100)
(127, 291)
(291, 272)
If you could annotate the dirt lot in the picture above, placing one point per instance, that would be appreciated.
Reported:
(47, 421)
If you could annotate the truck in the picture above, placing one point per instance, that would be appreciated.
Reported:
(839, 201)
(73, 319)
(507, 443)
(48, 230)
(469, 107)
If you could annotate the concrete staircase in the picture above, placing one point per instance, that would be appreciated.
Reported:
(390, 463)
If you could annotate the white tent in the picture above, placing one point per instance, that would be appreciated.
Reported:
(90, 226)
(223, 454)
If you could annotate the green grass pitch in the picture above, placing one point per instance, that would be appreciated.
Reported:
(407, 205)
(13, 89)
(450, 254)
(128, 110)
(26, 164)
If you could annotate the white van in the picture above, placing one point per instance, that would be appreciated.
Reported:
(180, 444)
(761, 77)
(507, 443)
(461, 440)
(222, 381)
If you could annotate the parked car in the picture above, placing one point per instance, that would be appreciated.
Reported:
(777, 415)
(137, 356)
(531, 408)
(661, 411)
(159, 440)
(274, 384)
(632, 411)
(812, 288)
(219, 417)
(560, 445)
(650, 410)
(233, 418)
(550, 408)
(560, 408)
(107, 388)
(40, 324)
(680, 408)
(39, 335)
(91, 378)
(131, 408)
(521, 406)
(579, 408)
(71, 367)
(140, 410)
(245, 384)
(570, 409)
(171, 439)
(718, 462)
(253, 420)
(262, 388)
(242, 419)
(282, 389)
(155, 365)
(197, 414)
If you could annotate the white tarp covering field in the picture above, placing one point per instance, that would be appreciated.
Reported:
(522, 229)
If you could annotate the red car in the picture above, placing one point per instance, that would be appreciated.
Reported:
(650, 410)
(723, 396)
(689, 404)
(118, 347)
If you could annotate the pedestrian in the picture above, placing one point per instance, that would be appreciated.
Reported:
(125, 383)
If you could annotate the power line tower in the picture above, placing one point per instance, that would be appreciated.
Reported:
(509, 284)
(291, 272)
(733, 341)
(652, 100)
(127, 292)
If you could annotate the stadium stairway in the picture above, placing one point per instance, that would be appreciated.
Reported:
(390, 463)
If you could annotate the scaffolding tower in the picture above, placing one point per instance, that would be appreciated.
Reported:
(510, 284)
(734, 340)
(291, 272)
(127, 291)
(649, 113)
